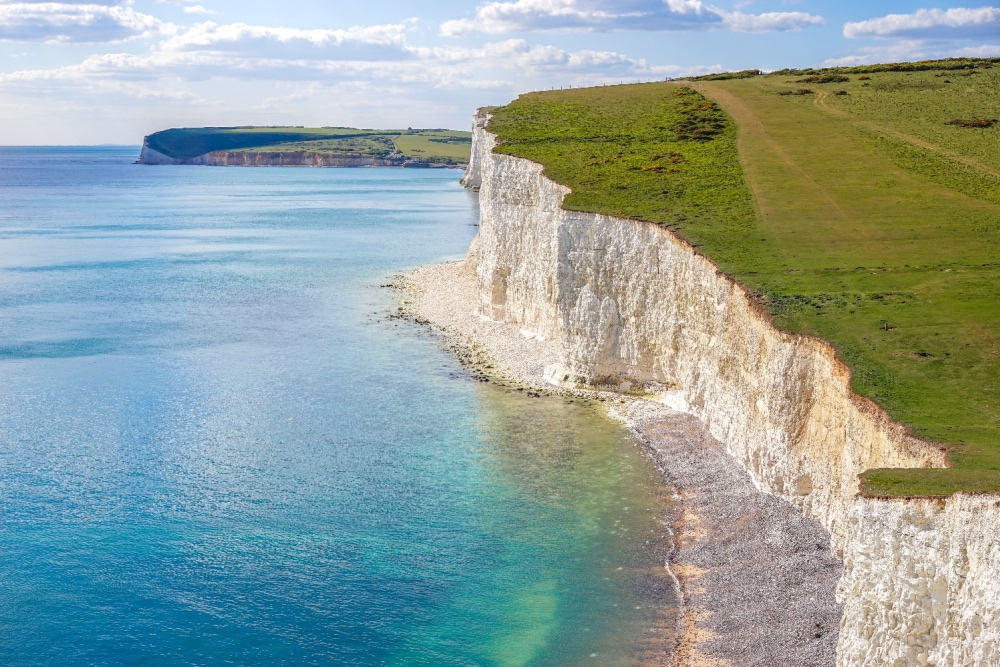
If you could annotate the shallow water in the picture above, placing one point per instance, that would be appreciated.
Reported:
(216, 449)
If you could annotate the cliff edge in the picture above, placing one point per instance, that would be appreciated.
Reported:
(631, 306)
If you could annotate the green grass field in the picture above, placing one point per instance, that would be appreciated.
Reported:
(854, 211)
(434, 146)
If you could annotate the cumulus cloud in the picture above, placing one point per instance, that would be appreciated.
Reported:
(771, 21)
(955, 23)
(75, 22)
(380, 42)
(531, 60)
(503, 17)
(897, 51)
(912, 49)
(189, 6)
(606, 15)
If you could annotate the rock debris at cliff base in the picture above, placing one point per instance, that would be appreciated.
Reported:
(758, 577)
(767, 582)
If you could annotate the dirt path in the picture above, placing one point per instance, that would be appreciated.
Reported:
(821, 103)
(753, 134)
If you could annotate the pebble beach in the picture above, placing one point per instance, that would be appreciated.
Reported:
(756, 578)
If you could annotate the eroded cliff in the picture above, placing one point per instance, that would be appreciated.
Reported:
(285, 159)
(632, 306)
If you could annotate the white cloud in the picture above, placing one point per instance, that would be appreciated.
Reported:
(955, 23)
(605, 15)
(899, 51)
(503, 17)
(912, 49)
(771, 21)
(75, 22)
(380, 42)
(188, 6)
(982, 51)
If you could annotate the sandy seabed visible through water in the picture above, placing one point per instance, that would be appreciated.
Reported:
(756, 577)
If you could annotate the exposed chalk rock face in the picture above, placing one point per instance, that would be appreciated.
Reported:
(151, 156)
(921, 583)
(272, 159)
(282, 159)
(291, 159)
(634, 306)
(473, 177)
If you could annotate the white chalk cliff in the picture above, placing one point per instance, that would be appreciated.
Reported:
(275, 159)
(632, 305)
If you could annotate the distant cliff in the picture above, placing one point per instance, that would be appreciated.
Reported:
(303, 147)
(283, 159)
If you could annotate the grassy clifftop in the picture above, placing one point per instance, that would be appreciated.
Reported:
(436, 146)
(862, 208)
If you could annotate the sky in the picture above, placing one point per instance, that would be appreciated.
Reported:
(111, 71)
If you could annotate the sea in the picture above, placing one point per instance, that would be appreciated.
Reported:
(219, 446)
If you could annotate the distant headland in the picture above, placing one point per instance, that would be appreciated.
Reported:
(307, 147)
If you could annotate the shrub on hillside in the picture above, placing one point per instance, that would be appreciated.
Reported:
(973, 122)
(824, 78)
(701, 120)
(724, 76)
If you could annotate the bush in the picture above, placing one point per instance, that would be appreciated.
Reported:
(973, 122)
(825, 78)
(800, 91)
(724, 76)
(701, 121)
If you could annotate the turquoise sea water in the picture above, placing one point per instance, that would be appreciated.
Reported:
(215, 449)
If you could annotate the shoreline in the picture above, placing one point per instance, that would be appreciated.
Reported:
(755, 577)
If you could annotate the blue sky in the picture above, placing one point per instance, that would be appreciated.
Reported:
(110, 71)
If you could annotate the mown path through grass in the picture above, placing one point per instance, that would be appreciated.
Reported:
(898, 272)
(755, 145)
(821, 103)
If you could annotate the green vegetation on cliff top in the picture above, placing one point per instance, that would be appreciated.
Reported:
(865, 210)
(434, 146)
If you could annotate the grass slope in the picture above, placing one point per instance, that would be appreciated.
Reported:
(435, 146)
(863, 218)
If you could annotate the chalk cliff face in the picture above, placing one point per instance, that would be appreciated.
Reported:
(291, 159)
(151, 156)
(283, 159)
(633, 306)
(473, 177)
(272, 159)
